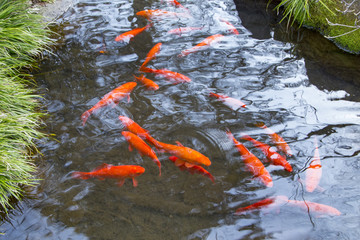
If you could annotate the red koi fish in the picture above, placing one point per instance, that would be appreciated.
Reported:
(112, 97)
(134, 127)
(152, 53)
(314, 171)
(192, 169)
(149, 84)
(279, 141)
(274, 157)
(232, 29)
(186, 156)
(127, 36)
(204, 44)
(316, 208)
(143, 149)
(109, 171)
(252, 163)
(181, 30)
(267, 202)
(151, 14)
(232, 103)
(174, 77)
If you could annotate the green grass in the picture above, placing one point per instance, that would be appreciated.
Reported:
(23, 37)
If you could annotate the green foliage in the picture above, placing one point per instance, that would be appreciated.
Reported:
(22, 37)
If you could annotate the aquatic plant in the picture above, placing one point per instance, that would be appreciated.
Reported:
(23, 37)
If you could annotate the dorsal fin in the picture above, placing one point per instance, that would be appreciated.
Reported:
(179, 144)
(104, 165)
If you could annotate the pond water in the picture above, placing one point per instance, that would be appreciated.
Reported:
(294, 81)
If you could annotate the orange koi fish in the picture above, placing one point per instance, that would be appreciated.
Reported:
(317, 208)
(109, 171)
(174, 77)
(232, 29)
(267, 202)
(181, 30)
(274, 157)
(177, 4)
(252, 163)
(232, 103)
(152, 53)
(149, 84)
(143, 149)
(314, 171)
(279, 141)
(112, 97)
(127, 36)
(186, 156)
(192, 169)
(134, 127)
(204, 44)
(150, 14)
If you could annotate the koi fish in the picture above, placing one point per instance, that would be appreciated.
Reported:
(274, 157)
(186, 156)
(204, 44)
(125, 37)
(152, 53)
(174, 77)
(141, 146)
(109, 171)
(181, 30)
(134, 127)
(177, 4)
(112, 97)
(232, 29)
(150, 14)
(314, 171)
(317, 208)
(252, 163)
(149, 84)
(232, 103)
(279, 141)
(192, 169)
(267, 202)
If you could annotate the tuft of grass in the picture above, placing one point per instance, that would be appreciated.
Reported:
(23, 36)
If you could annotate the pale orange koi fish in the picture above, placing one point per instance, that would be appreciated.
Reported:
(174, 77)
(204, 44)
(316, 208)
(150, 14)
(191, 169)
(274, 157)
(109, 171)
(134, 127)
(232, 29)
(149, 84)
(151, 55)
(185, 155)
(232, 103)
(181, 30)
(279, 141)
(314, 171)
(112, 97)
(252, 163)
(127, 36)
(271, 202)
(143, 149)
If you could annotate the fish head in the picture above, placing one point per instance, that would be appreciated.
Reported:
(125, 120)
(127, 134)
(137, 170)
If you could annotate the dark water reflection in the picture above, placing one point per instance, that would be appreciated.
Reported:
(297, 83)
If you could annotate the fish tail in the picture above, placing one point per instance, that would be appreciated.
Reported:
(85, 116)
(80, 175)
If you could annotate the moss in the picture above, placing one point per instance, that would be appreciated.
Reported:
(319, 15)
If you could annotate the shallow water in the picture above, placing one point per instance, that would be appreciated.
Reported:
(296, 82)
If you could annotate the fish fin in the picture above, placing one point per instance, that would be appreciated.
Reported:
(179, 144)
(80, 175)
(101, 178)
(179, 162)
(128, 98)
(85, 116)
(121, 182)
(104, 165)
(189, 165)
(135, 182)
(130, 148)
(173, 158)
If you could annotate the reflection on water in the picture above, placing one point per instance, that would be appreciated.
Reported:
(285, 81)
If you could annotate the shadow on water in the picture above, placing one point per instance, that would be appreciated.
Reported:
(295, 81)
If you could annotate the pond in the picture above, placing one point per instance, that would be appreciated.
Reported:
(293, 80)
